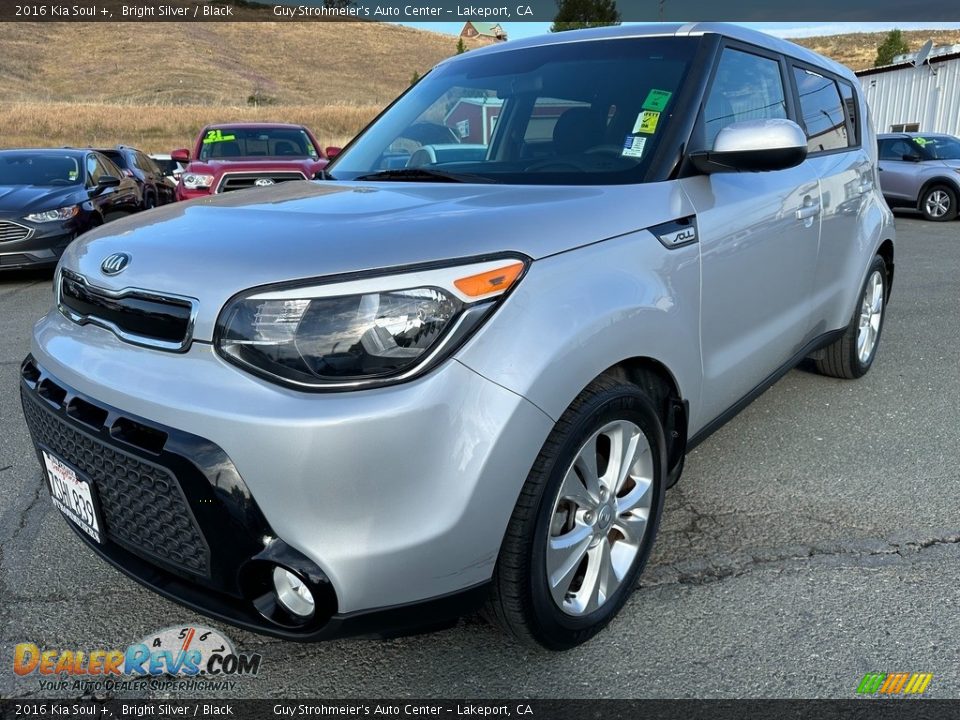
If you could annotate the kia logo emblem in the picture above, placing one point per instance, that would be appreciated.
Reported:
(263, 182)
(115, 263)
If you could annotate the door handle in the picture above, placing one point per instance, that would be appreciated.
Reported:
(808, 211)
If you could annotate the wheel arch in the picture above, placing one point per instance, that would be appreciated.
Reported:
(932, 182)
(660, 385)
(886, 252)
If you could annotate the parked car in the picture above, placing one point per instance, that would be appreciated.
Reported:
(145, 172)
(237, 156)
(48, 197)
(921, 171)
(172, 170)
(409, 392)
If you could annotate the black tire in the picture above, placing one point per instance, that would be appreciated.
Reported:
(520, 600)
(931, 209)
(841, 358)
(148, 202)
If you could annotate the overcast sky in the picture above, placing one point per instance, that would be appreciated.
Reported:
(784, 29)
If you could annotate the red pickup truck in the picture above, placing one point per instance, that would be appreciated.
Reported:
(235, 156)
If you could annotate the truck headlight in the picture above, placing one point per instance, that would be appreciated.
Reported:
(196, 181)
(362, 332)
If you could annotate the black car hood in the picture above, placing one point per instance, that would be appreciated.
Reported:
(22, 199)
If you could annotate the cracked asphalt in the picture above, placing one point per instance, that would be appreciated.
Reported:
(814, 538)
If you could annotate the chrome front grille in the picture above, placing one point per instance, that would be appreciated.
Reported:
(242, 181)
(11, 231)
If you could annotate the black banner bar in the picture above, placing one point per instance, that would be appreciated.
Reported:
(498, 11)
(861, 709)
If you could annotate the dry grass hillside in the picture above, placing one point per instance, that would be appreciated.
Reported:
(160, 82)
(155, 84)
(859, 50)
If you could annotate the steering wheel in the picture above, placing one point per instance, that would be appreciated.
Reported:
(612, 150)
(551, 165)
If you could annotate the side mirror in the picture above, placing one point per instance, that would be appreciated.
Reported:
(108, 181)
(754, 146)
(911, 157)
(332, 151)
(181, 156)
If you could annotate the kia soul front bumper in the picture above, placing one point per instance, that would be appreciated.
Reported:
(390, 503)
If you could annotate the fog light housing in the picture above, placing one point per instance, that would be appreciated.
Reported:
(292, 593)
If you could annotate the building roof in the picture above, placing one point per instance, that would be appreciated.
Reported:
(487, 29)
(906, 64)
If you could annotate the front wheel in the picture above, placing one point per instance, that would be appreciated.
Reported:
(852, 355)
(586, 520)
(939, 203)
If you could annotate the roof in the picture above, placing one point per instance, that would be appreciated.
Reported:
(249, 124)
(487, 28)
(52, 151)
(906, 64)
(908, 135)
(736, 32)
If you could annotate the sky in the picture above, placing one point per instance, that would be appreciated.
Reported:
(517, 30)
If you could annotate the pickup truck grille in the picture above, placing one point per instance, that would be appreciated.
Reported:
(242, 181)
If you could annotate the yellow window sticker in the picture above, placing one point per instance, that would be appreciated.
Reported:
(215, 136)
(633, 146)
(920, 141)
(646, 122)
(657, 100)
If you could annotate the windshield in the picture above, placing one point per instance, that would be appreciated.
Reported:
(233, 143)
(939, 147)
(562, 114)
(34, 169)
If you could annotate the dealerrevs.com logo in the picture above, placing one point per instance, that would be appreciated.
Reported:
(185, 657)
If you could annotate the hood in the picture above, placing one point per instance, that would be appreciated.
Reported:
(308, 166)
(214, 247)
(20, 200)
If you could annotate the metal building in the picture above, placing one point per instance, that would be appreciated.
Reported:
(919, 92)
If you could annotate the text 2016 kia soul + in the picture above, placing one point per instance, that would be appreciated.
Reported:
(465, 369)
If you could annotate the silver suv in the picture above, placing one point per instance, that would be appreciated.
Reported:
(438, 380)
(922, 171)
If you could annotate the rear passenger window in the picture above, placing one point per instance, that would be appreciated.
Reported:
(823, 114)
(746, 87)
(850, 108)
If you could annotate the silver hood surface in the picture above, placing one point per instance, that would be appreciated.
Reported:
(213, 248)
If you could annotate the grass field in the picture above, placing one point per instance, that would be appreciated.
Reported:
(161, 128)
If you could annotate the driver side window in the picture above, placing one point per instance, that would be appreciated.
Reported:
(746, 87)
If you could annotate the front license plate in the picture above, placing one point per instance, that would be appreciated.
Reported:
(72, 495)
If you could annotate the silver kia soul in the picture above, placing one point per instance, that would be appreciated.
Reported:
(462, 367)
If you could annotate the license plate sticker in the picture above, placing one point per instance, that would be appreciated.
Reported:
(72, 495)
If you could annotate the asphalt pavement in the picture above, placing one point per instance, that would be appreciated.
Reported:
(813, 539)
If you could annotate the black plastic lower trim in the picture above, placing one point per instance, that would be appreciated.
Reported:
(821, 341)
(395, 621)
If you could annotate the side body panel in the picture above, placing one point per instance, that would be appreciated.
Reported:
(578, 313)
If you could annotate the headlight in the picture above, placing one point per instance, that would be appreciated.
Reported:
(64, 213)
(364, 332)
(196, 181)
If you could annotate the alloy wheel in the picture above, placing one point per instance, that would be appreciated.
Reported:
(937, 203)
(599, 518)
(871, 313)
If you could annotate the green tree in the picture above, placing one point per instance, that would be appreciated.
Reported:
(577, 14)
(461, 48)
(892, 45)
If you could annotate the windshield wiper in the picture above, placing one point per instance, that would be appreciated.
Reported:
(423, 175)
